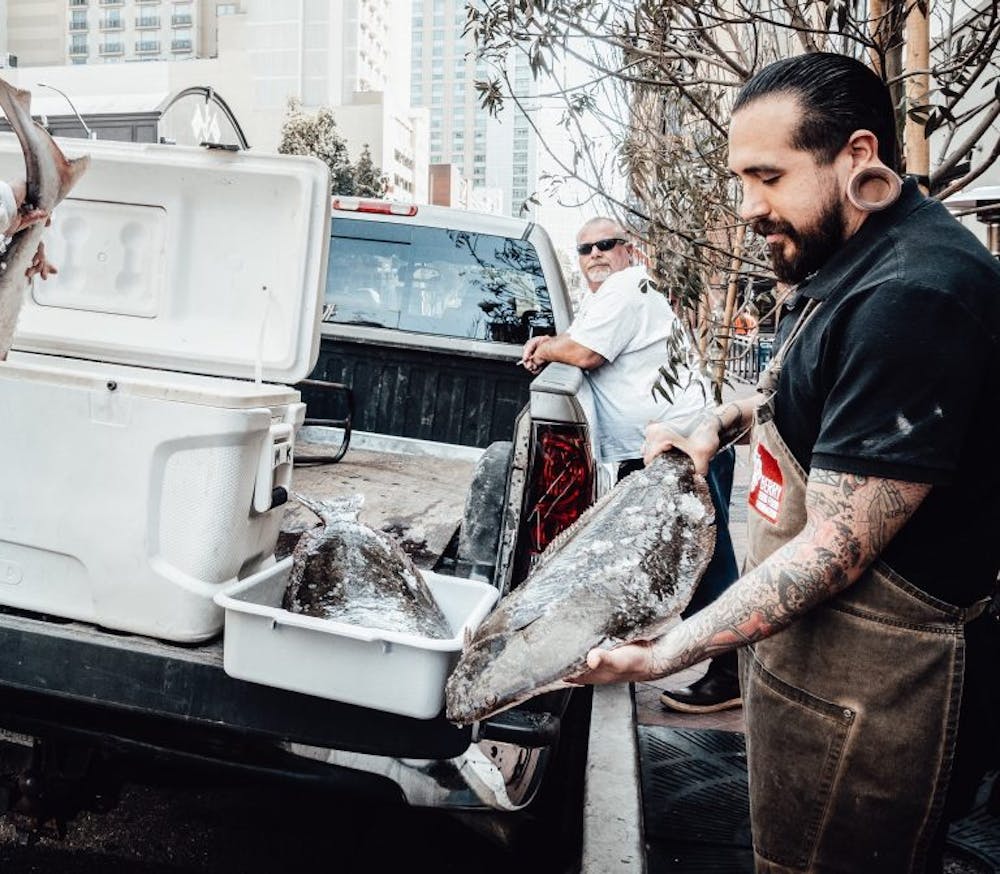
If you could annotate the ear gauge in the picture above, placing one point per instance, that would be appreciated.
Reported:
(873, 188)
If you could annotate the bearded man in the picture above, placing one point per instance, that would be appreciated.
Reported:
(873, 519)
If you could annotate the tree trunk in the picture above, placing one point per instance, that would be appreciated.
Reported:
(918, 160)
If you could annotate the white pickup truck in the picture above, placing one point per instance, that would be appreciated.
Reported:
(149, 432)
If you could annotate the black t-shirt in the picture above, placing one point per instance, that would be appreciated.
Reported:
(897, 375)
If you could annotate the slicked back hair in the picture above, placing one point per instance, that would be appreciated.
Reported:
(838, 95)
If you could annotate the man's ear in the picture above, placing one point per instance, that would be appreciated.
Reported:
(863, 148)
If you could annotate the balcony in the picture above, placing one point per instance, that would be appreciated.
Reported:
(77, 26)
(146, 2)
(111, 2)
(181, 45)
(112, 48)
(77, 50)
(147, 47)
(114, 23)
(181, 20)
(147, 23)
(77, 3)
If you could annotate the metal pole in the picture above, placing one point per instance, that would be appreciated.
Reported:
(91, 134)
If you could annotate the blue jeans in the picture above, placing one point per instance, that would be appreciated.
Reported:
(722, 570)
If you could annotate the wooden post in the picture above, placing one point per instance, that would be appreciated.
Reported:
(918, 152)
(726, 332)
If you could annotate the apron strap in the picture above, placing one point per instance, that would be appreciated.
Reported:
(974, 611)
(768, 380)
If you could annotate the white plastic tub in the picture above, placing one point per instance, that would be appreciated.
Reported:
(384, 670)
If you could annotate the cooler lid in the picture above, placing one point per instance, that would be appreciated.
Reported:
(184, 259)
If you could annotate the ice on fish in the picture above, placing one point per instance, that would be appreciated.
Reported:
(345, 571)
(603, 582)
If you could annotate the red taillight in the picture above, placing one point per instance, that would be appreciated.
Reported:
(560, 487)
(381, 207)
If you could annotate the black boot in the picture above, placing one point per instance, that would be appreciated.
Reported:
(718, 690)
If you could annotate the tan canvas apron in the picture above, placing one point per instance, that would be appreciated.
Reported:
(852, 711)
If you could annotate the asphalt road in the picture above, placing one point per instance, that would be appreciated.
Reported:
(249, 830)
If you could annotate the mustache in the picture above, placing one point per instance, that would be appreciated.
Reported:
(765, 227)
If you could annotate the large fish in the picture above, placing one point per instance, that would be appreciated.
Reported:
(622, 572)
(49, 177)
(346, 571)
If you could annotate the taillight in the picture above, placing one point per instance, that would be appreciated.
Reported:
(560, 486)
(381, 207)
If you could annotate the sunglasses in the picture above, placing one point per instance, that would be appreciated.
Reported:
(602, 245)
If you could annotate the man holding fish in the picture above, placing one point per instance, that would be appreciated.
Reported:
(618, 339)
(873, 524)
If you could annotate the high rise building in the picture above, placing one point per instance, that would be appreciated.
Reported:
(352, 55)
(323, 53)
(491, 152)
(56, 32)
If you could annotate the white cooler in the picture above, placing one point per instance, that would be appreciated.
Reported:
(145, 415)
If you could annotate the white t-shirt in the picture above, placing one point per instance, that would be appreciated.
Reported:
(629, 328)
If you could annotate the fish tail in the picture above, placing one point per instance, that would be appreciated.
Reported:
(344, 507)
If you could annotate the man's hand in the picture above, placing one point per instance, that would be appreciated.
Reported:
(700, 446)
(23, 218)
(631, 662)
(39, 265)
(528, 359)
(708, 435)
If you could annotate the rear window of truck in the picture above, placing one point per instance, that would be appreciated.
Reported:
(450, 283)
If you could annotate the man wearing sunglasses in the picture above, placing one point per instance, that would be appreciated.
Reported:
(619, 337)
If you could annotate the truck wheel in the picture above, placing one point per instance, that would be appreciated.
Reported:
(479, 535)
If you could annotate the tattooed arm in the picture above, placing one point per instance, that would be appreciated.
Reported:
(849, 521)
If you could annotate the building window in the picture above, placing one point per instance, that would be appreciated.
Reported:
(227, 9)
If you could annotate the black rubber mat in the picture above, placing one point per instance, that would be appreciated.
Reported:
(978, 835)
(696, 810)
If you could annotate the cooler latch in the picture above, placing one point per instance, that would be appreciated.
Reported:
(274, 470)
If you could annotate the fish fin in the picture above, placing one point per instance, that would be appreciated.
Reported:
(71, 172)
(333, 509)
(21, 96)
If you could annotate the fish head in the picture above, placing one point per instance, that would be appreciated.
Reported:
(491, 679)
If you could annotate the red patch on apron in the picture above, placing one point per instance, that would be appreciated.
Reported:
(766, 484)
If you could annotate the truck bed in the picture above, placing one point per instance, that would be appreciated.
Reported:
(418, 496)
(88, 679)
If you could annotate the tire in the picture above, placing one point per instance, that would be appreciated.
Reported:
(479, 536)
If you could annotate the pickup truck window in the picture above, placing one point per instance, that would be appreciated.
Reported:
(451, 283)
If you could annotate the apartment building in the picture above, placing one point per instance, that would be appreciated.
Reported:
(494, 153)
(56, 32)
(344, 54)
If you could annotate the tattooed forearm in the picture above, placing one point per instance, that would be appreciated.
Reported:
(850, 519)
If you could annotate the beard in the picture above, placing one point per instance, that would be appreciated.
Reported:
(811, 246)
(599, 272)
